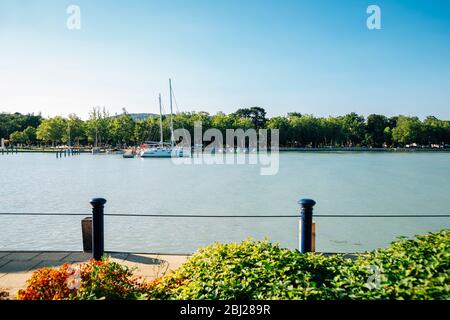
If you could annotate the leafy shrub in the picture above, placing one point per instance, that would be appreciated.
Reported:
(409, 269)
(412, 268)
(251, 270)
(92, 280)
(108, 280)
(48, 284)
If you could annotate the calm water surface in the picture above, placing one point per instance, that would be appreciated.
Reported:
(341, 183)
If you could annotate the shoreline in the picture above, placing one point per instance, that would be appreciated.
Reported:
(363, 149)
(281, 149)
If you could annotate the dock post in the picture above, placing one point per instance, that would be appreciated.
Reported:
(86, 232)
(98, 242)
(306, 218)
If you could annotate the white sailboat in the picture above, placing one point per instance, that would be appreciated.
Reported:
(96, 149)
(162, 149)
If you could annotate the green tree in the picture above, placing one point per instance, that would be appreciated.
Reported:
(332, 132)
(375, 130)
(18, 137)
(388, 135)
(434, 131)
(305, 130)
(256, 114)
(295, 129)
(75, 130)
(282, 124)
(26, 136)
(222, 121)
(98, 126)
(17, 122)
(142, 129)
(30, 133)
(294, 114)
(52, 129)
(354, 128)
(408, 130)
(122, 129)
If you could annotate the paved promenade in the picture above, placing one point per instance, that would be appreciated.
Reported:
(17, 266)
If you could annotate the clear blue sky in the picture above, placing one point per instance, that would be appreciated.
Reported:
(307, 56)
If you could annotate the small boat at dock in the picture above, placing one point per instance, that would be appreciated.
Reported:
(129, 153)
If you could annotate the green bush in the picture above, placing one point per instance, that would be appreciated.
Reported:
(412, 268)
(109, 280)
(408, 269)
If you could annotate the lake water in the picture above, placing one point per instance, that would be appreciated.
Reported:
(341, 183)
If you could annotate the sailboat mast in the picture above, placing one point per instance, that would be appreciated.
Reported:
(96, 135)
(160, 121)
(69, 135)
(171, 114)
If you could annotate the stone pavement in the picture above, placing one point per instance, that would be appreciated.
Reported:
(17, 266)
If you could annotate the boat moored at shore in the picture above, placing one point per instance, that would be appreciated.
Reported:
(162, 149)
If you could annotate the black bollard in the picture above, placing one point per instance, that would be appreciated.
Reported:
(98, 243)
(306, 224)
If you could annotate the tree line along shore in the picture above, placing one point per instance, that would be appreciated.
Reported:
(301, 132)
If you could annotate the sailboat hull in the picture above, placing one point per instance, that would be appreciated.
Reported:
(161, 153)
